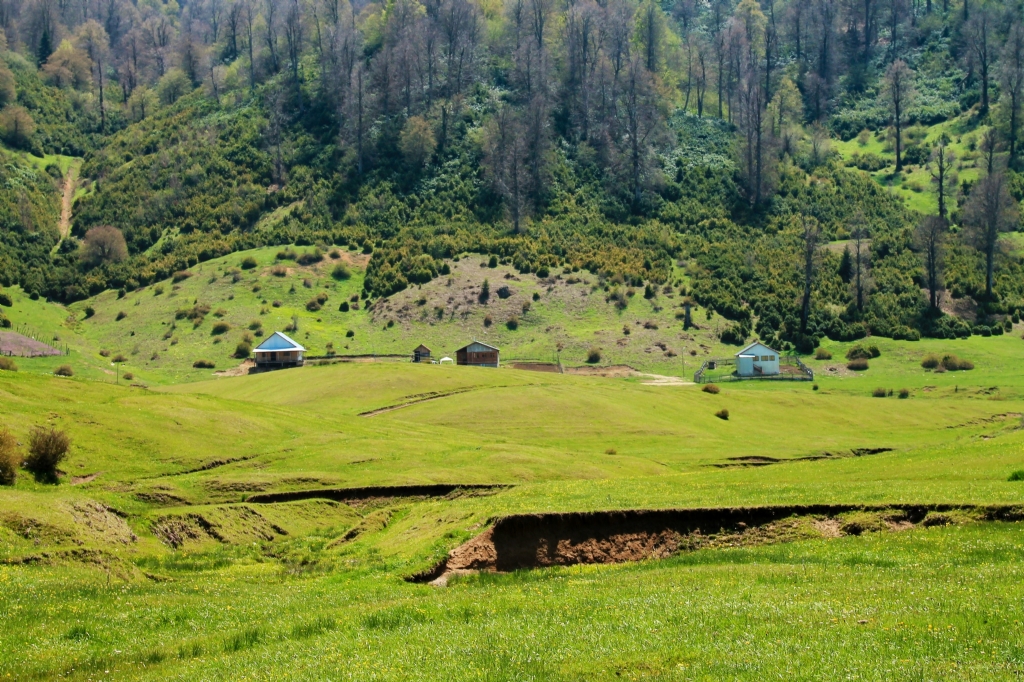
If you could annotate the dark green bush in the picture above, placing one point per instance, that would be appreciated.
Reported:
(47, 448)
(248, 263)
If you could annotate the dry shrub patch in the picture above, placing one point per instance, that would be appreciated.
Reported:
(822, 354)
(723, 414)
(878, 393)
(8, 364)
(857, 365)
(711, 388)
(47, 448)
(10, 458)
(64, 371)
(203, 364)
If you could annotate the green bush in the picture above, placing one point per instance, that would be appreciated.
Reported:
(5, 299)
(203, 364)
(1017, 475)
(340, 272)
(220, 328)
(723, 414)
(857, 365)
(931, 361)
(512, 324)
(64, 371)
(953, 364)
(594, 355)
(904, 393)
(242, 350)
(878, 393)
(248, 263)
(822, 354)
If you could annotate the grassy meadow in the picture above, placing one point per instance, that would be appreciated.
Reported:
(149, 560)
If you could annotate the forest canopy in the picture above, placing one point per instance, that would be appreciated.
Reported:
(683, 142)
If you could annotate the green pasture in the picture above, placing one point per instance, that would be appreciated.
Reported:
(92, 587)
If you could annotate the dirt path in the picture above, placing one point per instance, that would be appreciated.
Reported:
(70, 184)
(662, 380)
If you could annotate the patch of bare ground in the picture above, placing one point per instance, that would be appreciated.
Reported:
(87, 478)
(763, 460)
(662, 380)
(607, 371)
(243, 369)
(542, 540)
(965, 308)
(373, 494)
(222, 524)
(101, 522)
(12, 343)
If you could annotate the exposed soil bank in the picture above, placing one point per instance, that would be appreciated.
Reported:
(374, 492)
(539, 540)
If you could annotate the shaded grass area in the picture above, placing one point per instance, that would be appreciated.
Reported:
(939, 603)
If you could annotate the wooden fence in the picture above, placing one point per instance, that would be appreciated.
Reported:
(708, 372)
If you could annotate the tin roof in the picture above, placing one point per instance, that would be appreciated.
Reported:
(277, 342)
(479, 343)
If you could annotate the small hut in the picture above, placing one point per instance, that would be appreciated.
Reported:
(421, 354)
(279, 351)
(757, 360)
(478, 354)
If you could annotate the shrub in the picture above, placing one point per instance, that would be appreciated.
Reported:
(611, 451)
(120, 316)
(248, 263)
(128, 376)
(242, 350)
(276, 304)
(858, 365)
(814, 387)
(513, 323)
(10, 458)
(822, 354)
(279, 271)
(723, 414)
(310, 257)
(343, 307)
(492, 262)
(904, 393)
(119, 358)
(594, 355)
(712, 389)
(542, 272)
(104, 353)
(485, 292)
(931, 361)
(220, 328)
(340, 272)
(313, 305)
(256, 324)
(7, 364)
(64, 371)
(5, 300)
(525, 307)
(180, 276)
(349, 334)
(878, 393)
(47, 448)
(287, 254)
(952, 363)
(504, 292)
(1017, 475)
(203, 364)
(89, 311)
(334, 254)
(488, 320)
(859, 352)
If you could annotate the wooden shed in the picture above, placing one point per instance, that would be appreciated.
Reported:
(477, 353)
(279, 351)
(421, 354)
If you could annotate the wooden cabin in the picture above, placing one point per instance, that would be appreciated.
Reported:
(757, 360)
(479, 354)
(421, 354)
(279, 351)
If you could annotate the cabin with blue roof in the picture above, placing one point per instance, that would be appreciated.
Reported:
(279, 351)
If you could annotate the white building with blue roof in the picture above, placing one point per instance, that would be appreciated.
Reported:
(279, 351)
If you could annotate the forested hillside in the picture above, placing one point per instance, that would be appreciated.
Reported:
(769, 160)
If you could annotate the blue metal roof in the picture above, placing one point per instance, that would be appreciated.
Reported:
(278, 341)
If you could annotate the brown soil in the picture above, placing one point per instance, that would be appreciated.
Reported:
(12, 343)
(413, 400)
(540, 540)
(67, 200)
(761, 460)
(88, 478)
(101, 522)
(245, 368)
(609, 371)
(375, 493)
(537, 367)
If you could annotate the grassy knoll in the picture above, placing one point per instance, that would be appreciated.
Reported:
(567, 310)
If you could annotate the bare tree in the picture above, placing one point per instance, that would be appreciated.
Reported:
(506, 160)
(943, 176)
(1011, 82)
(93, 41)
(639, 118)
(860, 260)
(980, 40)
(899, 92)
(930, 240)
(990, 211)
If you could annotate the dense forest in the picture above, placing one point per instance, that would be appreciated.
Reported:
(680, 143)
